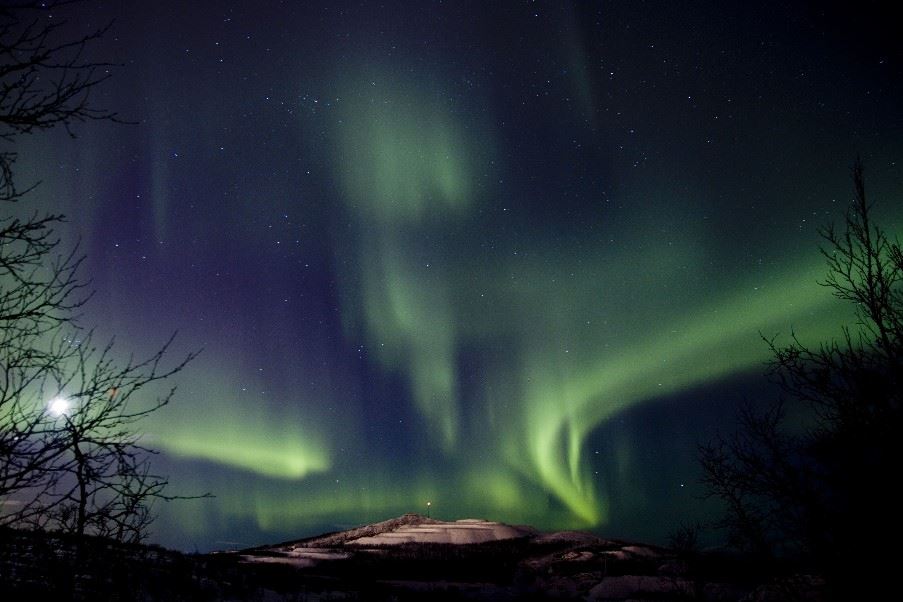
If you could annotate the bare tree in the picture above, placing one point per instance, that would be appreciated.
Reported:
(43, 83)
(70, 457)
(102, 481)
(826, 495)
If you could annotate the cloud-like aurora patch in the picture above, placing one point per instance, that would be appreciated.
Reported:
(408, 165)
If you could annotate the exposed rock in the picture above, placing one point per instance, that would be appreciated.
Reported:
(341, 537)
(626, 587)
(572, 537)
(805, 588)
(723, 592)
(673, 568)
(642, 551)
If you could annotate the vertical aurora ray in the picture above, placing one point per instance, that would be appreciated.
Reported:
(407, 171)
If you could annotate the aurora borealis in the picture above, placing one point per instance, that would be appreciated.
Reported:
(512, 258)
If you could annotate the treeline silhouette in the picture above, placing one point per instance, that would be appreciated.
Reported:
(819, 492)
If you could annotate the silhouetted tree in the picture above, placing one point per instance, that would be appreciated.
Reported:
(69, 455)
(102, 481)
(826, 495)
(43, 83)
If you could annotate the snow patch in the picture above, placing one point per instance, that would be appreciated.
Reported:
(464, 531)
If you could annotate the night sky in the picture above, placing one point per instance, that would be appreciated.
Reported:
(512, 258)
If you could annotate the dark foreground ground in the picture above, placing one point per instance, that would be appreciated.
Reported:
(565, 566)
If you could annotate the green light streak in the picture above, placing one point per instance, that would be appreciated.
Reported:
(238, 431)
(283, 457)
(411, 327)
(563, 403)
(492, 492)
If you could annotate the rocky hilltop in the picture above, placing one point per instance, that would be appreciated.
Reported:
(414, 557)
